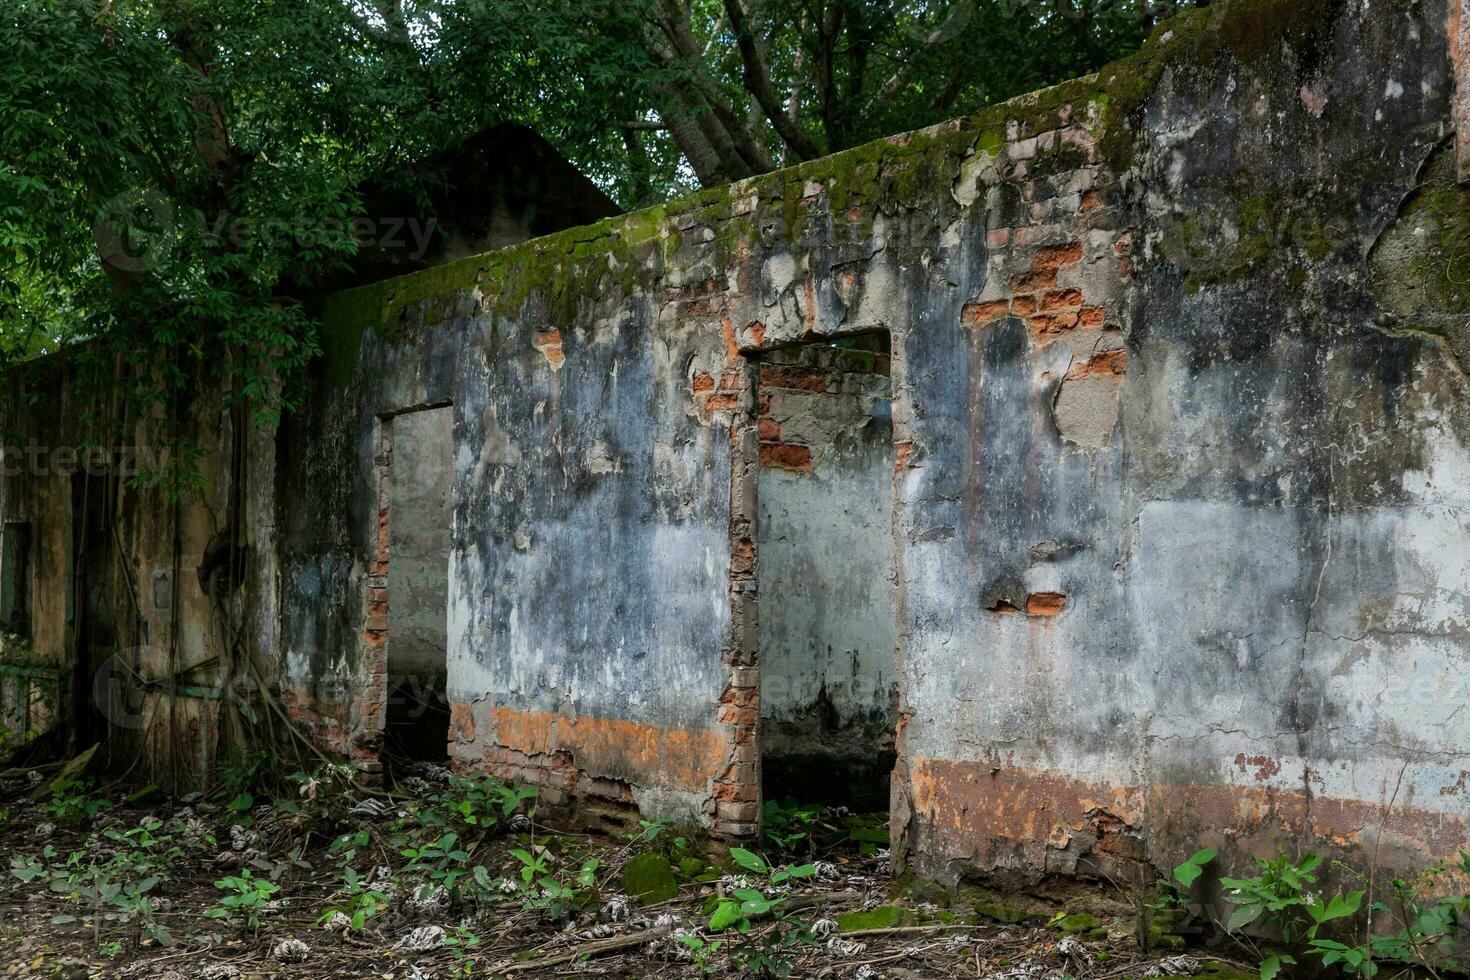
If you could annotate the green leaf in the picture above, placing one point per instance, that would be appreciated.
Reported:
(726, 914)
(1242, 917)
(748, 860)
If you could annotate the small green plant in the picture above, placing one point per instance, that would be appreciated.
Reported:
(247, 896)
(237, 811)
(480, 804)
(363, 901)
(1429, 928)
(461, 942)
(765, 954)
(109, 948)
(543, 890)
(443, 862)
(72, 802)
(703, 950)
(345, 846)
(323, 796)
(746, 904)
(788, 826)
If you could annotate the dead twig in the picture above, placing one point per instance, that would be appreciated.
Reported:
(589, 950)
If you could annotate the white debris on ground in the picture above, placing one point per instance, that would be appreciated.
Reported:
(291, 950)
(422, 939)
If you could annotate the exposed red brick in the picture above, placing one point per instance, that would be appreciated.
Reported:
(722, 403)
(1023, 305)
(1092, 317)
(768, 429)
(1056, 256)
(1045, 603)
(736, 792)
(1091, 201)
(731, 714)
(1034, 281)
(462, 721)
(981, 314)
(1124, 244)
(902, 453)
(998, 237)
(549, 344)
(786, 456)
(1062, 299)
(1112, 362)
(702, 382)
(742, 556)
(727, 330)
(757, 331)
(780, 376)
(737, 812)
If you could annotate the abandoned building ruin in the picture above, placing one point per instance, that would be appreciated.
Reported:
(1083, 481)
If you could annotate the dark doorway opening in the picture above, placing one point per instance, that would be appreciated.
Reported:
(420, 518)
(825, 570)
(93, 605)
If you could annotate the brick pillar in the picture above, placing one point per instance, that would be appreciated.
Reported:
(373, 671)
(736, 792)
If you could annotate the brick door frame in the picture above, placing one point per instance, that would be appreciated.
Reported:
(371, 724)
(736, 797)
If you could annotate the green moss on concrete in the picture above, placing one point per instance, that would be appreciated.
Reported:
(1249, 31)
(1075, 923)
(1002, 913)
(882, 917)
(1421, 264)
(912, 172)
(1248, 235)
(650, 879)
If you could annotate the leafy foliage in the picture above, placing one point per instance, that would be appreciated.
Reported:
(245, 897)
(761, 954)
(176, 177)
(72, 801)
(1282, 914)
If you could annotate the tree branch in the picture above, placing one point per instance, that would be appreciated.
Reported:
(758, 83)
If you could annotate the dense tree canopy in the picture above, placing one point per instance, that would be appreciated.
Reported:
(167, 167)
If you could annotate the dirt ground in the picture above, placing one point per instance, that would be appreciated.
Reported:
(461, 878)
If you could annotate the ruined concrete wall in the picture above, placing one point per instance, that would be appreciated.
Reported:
(825, 571)
(89, 473)
(1180, 426)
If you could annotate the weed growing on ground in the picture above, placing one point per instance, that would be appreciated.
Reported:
(246, 897)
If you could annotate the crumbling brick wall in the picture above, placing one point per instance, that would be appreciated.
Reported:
(1168, 455)
(1180, 440)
